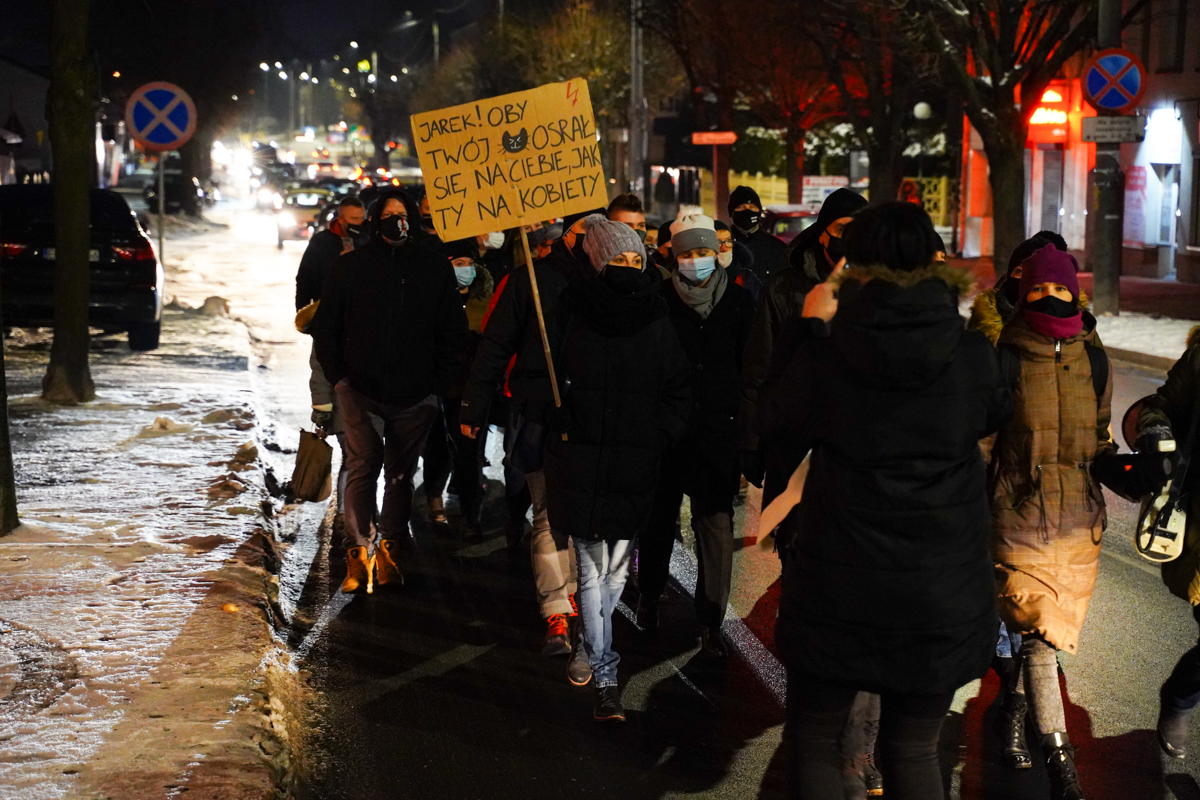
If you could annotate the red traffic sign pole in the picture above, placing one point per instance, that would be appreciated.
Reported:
(716, 139)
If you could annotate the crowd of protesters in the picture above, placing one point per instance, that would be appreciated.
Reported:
(932, 484)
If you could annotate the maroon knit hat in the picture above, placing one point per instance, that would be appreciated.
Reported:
(1050, 265)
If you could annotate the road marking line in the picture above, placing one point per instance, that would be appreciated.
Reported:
(431, 668)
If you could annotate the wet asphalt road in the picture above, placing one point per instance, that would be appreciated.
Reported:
(437, 689)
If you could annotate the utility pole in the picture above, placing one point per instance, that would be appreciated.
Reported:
(637, 108)
(1108, 194)
(8, 483)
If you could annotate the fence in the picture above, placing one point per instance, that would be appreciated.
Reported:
(772, 190)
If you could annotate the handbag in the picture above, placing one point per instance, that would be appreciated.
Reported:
(1162, 522)
(312, 477)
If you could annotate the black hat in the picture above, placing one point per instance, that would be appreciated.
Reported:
(719, 225)
(664, 232)
(740, 196)
(461, 248)
(841, 203)
(571, 219)
(375, 215)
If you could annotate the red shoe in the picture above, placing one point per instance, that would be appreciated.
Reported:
(558, 639)
(574, 606)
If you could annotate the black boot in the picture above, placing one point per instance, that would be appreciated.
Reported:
(1060, 766)
(1012, 732)
(647, 616)
(1173, 732)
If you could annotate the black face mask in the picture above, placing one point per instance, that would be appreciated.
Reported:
(394, 230)
(1054, 307)
(624, 280)
(835, 251)
(746, 219)
(427, 221)
(354, 231)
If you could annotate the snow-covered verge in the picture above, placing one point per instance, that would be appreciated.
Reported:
(137, 657)
(1143, 333)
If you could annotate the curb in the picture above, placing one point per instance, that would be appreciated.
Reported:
(1141, 359)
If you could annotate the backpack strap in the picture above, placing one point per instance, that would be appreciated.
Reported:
(1100, 367)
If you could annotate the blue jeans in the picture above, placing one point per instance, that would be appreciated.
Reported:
(603, 567)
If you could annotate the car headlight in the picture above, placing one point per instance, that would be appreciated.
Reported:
(277, 199)
(265, 196)
(287, 219)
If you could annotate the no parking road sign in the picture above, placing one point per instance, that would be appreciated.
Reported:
(161, 116)
(1113, 81)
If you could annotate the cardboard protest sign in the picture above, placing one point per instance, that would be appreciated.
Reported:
(518, 158)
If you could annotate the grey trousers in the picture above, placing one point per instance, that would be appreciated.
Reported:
(554, 569)
(397, 452)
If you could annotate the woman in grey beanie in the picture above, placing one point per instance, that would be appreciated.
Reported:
(624, 383)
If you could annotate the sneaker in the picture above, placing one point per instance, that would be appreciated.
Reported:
(358, 571)
(574, 605)
(437, 510)
(558, 639)
(387, 564)
(607, 707)
(579, 671)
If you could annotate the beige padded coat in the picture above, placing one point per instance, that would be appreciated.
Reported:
(1047, 510)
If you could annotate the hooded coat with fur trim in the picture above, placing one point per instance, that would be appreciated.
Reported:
(887, 574)
(1174, 405)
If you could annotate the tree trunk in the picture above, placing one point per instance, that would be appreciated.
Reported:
(1006, 165)
(885, 171)
(795, 164)
(194, 157)
(68, 378)
(8, 483)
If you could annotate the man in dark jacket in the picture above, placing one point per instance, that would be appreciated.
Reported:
(324, 248)
(711, 315)
(817, 251)
(389, 335)
(512, 337)
(770, 253)
(737, 260)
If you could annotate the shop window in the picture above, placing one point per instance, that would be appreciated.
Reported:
(1169, 201)
(1052, 185)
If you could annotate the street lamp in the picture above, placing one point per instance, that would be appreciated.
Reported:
(282, 75)
(264, 66)
(278, 65)
(303, 76)
(354, 45)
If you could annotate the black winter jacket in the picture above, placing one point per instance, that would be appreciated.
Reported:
(770, 252)
(707, 454)
(391, 321)
(887, 581)
(624, 382)
(315, 265)
(742, 272)
(512, 329)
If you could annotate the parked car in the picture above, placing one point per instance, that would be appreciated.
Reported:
(177, 189)
(301, 211)
(786, 221)
(126, 277)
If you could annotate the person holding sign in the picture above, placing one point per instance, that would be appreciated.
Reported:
(712, 316)
(389, 334)
(623, 377)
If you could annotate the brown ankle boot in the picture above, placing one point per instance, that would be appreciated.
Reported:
(387, 568)
(358, 571)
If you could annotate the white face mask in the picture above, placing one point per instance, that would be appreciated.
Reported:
(495, 241)
(725, 259)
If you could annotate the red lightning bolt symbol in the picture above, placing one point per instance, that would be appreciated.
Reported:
(572, 95)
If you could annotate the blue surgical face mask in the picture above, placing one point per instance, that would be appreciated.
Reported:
(697, 270)
(465, 275)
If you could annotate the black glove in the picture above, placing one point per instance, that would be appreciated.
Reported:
(1147, 440)
(322, 419)
(754, 466)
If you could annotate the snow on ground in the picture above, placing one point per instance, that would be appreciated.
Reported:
(132, 505)
(1143, 333)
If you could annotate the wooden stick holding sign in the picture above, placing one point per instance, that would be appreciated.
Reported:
(496, 162)
(541, 318)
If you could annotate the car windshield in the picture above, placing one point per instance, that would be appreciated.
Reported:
(306, 199)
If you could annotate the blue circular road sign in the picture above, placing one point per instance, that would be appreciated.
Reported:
(160, 116)
(1113, 80)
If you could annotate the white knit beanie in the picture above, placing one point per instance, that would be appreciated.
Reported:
(693, 229)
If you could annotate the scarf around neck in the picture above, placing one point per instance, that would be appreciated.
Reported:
(1053, 327)
(701, 299)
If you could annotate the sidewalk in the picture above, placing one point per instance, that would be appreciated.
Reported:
(135, 656)
(1155, 317)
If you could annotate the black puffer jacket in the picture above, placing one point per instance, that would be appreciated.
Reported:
(770, 252)
(624, 381)
(391, 321)
(315, 265)
(512, 329)
(707, 454)
(887, 581)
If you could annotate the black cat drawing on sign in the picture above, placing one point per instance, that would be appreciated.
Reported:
(515, 144)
